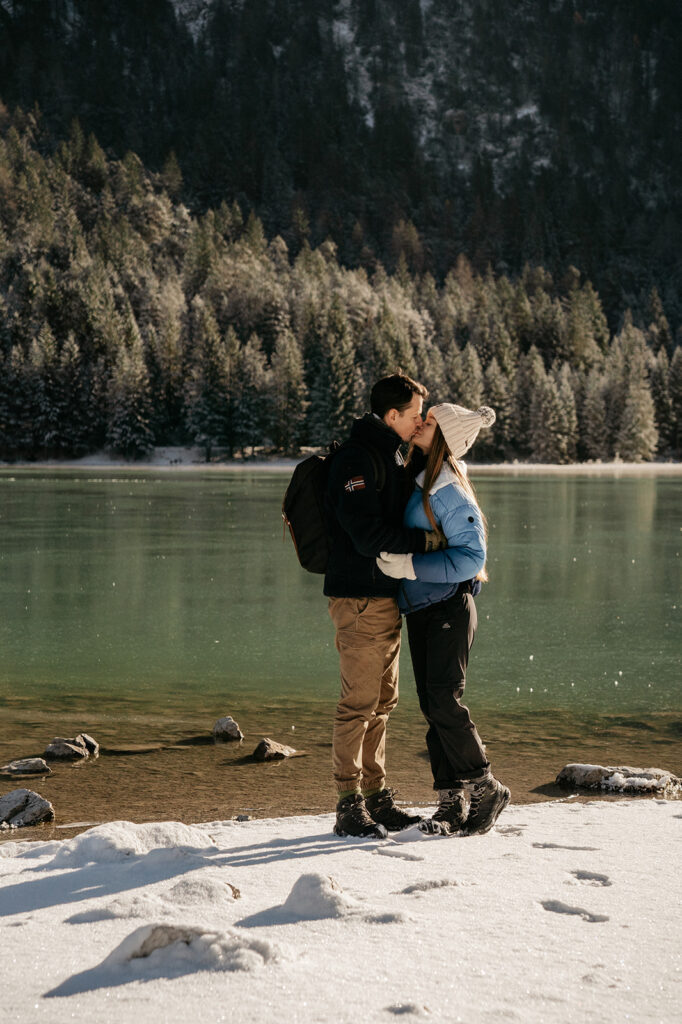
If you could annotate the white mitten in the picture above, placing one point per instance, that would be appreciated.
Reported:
(398, 566)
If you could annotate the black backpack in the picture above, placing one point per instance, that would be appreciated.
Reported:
(303, 508)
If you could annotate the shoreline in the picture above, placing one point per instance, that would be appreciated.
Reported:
(190, 460)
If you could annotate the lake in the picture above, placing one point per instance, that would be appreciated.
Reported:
(141, 605)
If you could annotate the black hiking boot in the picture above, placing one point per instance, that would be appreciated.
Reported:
(384, 810)
(488, 799)
(450, 816)
(352, 819)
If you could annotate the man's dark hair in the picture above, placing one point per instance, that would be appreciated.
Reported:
(395, 392)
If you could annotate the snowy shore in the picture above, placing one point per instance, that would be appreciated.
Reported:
(564, 912)
(192, 459)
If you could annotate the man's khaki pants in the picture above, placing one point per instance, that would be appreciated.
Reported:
(368, 642)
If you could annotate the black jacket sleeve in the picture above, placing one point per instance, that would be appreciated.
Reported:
(356, 504)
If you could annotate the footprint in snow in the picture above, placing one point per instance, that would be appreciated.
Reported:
(560, 846)
(392, 851)
(407, 1009)
(557, 907)
(590, 878)
(418, 888)
(510, 830)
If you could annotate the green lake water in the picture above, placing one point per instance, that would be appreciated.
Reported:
(139, 606)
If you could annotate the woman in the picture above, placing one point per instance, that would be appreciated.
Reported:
(437, 597)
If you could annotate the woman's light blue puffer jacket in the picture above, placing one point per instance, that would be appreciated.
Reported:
(440, 572)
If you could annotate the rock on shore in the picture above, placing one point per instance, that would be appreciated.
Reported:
(23, 807)
(26, 766)
(73, 749)
(227, 730)
(270, 750)
(621, 779)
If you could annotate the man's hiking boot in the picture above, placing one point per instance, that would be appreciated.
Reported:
(384, 810)
(450, 815)
(488, 799)
(352, 819)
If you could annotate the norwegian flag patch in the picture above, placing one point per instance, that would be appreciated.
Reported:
(356, 483)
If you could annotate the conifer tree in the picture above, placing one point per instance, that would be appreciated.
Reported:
(452, 373)
(530, 376)
(80, 402)
(638, 437)
(129, 401)
(251, 414)
(471, 379)
(547, 437)
(16, 429)
(41, 374)
(659, 331)
(569, 416)
(675, 385)
(495, 442)
(659, 379)
(288, 395)
(343, 383)
(211, 387)
(594, 430)
(626, 365)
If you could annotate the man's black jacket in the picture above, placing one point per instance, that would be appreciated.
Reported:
(364, 521)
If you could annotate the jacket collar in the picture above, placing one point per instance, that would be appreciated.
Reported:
(372, 429)
(446, 476)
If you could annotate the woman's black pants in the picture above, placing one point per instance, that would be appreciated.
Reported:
(440, 638)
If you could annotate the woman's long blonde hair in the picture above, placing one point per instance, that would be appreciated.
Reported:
(438, 454)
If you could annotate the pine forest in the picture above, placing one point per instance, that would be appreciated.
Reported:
(127, 321)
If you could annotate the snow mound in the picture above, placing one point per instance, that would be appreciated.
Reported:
(190, 892)
(134, 906)
(170, 951)
(316, 896)
(198, 893)
(622, 779)
(182, 945)
(118, 840)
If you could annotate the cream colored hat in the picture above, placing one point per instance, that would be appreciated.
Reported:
(460, 426)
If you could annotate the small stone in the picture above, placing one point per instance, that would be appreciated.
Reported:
(243, 817)
(26, 766)
(23, 807)
(92, 746)
(66, 750)
(269, 750)
(226, 730)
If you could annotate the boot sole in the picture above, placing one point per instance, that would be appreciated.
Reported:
(379, 832)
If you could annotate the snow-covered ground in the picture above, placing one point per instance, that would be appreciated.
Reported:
(566, 912)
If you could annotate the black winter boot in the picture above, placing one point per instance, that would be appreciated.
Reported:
(386, 812)
(450, 816)
(352, 819)
(488, 799)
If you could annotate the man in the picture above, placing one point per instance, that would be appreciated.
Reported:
(366, 497)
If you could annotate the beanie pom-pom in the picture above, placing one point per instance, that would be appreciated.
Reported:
(487, 415)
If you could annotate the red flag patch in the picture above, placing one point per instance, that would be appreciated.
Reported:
(356, 483)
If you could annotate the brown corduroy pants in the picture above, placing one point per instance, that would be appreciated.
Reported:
(368, 642)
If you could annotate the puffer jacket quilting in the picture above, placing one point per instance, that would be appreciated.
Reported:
(439, 573)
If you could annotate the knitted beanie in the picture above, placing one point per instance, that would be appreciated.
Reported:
(460, 426)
